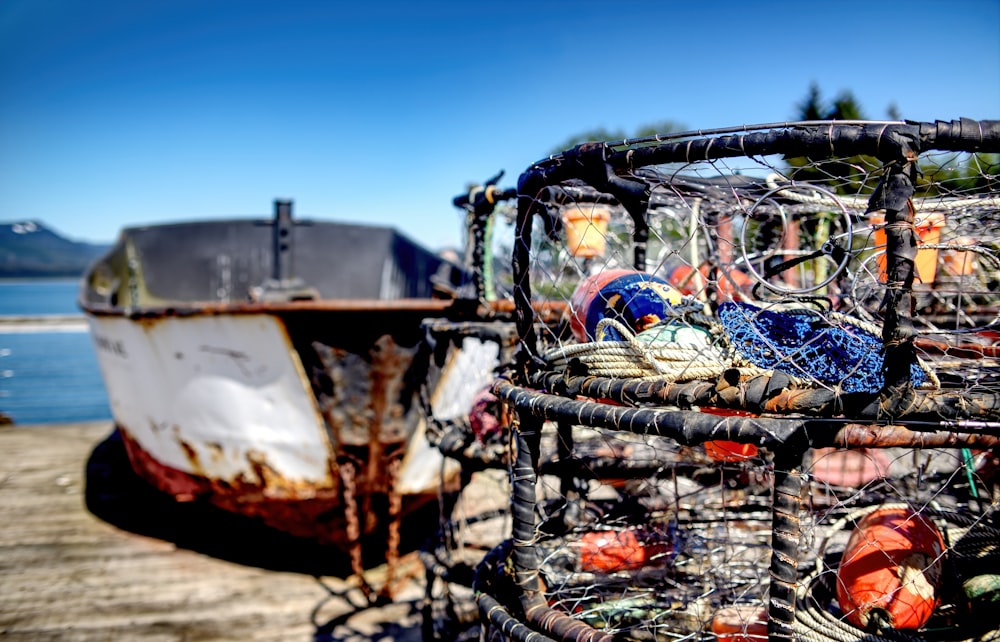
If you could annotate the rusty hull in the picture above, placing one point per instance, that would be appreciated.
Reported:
(306, 512)
(360, 369)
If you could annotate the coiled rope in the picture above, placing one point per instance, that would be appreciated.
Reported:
(673, 361)
(663, 360)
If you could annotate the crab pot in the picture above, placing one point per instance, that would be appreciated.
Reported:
(714, 473)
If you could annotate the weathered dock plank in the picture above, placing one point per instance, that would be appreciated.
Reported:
(89, 553)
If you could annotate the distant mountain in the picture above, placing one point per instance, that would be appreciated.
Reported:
(30, 249)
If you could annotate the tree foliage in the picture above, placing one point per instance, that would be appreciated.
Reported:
(611, 135)
(855, 175)
(954, 173)
(943, 173)
(811, 108)
(844, 175)
(844, 106)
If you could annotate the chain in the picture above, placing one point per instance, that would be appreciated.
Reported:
(348, 479)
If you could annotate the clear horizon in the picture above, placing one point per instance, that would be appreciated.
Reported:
(119, 113)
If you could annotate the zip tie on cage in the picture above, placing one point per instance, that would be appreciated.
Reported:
(901, 226)
(878, 140)
(895, 285)
(473, 193)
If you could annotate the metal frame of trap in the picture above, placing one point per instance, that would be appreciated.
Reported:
(511, 602)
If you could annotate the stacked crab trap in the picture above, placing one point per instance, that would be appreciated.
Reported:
(771, 407)
(464, 423)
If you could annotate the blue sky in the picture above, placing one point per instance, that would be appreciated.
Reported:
(116, 113)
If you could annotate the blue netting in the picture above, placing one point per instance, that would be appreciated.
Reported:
(804, 344)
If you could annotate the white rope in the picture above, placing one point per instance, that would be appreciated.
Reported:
(671, 361)
(662, 360)
(929, 203)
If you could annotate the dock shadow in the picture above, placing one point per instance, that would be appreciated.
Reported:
(116, 494)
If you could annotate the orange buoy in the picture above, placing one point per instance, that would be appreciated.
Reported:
(890, 572)
(586, 229)
(728, 451)
(611, 551)
(740, 623)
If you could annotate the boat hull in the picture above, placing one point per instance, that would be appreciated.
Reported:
(236, 410)
(276, 368)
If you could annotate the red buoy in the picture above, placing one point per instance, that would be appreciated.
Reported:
(740, 623)
(611, 551)
(637, 299)
(728, 451)
(890, 572)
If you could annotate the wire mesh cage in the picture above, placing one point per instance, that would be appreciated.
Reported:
(465, 424)
(771, 406)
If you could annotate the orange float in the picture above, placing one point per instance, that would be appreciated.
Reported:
(740, 623)
(728, 451)
(928, 228)
(586, 229)
(611, 551)
(890, 572)
(849, 468)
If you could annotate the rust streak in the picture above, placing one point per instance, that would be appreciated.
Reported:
(885, 436)
(191, 454)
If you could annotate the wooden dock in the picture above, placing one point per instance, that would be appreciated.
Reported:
(89, 552)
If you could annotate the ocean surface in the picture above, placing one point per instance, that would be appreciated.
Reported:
(48, 376)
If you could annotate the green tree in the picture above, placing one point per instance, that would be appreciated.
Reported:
(842, 175)
(845, 107)
(596, 134)
(662, 127)
(955, 173)
(611, 135)
(811, 108)
(950, 173)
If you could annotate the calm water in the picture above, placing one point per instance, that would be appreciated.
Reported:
(36, 297)
(48, 377)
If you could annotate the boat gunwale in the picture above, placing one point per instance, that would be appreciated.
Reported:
(194, 308)
(191, 308)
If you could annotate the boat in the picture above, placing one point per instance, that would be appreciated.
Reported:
(273, 367)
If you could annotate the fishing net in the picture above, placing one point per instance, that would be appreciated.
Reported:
(770, 406)
(804, 344)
